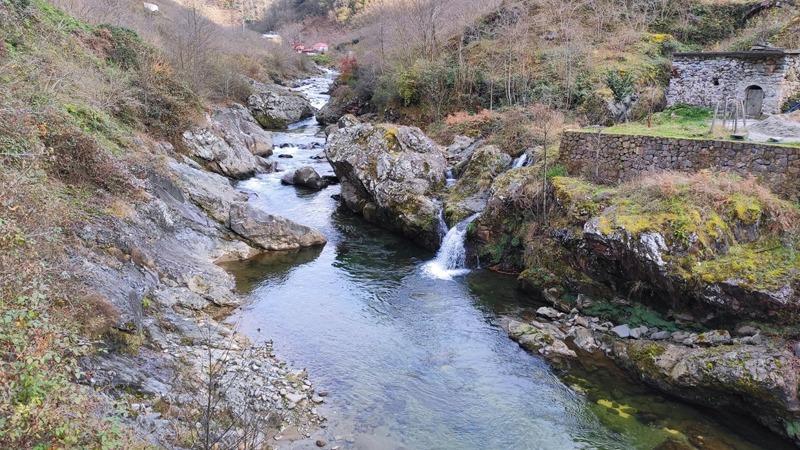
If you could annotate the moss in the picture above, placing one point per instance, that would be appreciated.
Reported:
(645, 357)
(390, 135)
(580, 198)
(745, 208)
(768, 265)
(125, 342)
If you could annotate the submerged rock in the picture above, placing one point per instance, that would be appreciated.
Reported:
(276, 107)
(271, 232)
(388, 175)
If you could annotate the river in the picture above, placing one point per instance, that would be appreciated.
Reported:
(413, 361)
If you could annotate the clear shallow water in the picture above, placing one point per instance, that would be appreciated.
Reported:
(416, 362)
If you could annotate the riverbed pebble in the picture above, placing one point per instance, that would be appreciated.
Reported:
(638, 332)
(548, 312)
(622, 331)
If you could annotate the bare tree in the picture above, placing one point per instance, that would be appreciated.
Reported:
(547, 123)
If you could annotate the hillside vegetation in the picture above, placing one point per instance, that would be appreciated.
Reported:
(82, 107)
(603, 61)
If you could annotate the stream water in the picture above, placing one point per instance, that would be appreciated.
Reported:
(415, 360)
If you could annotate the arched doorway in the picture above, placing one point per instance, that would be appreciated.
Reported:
(753, 101)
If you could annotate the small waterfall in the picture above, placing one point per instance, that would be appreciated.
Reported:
(520, 162)
(450, 179)
(442, 224)
(450, 261)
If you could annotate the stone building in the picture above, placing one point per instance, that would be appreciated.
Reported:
(764, 79)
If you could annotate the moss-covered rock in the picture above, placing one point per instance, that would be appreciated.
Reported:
(760, 381)
(470, 193)
(389, 175)
(714, 245)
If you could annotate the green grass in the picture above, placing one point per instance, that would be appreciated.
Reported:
(679, 121)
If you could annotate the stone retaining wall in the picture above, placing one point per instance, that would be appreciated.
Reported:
(610, 158)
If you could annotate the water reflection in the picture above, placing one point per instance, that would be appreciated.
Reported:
(414, 362)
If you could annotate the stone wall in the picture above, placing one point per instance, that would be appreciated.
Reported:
(610, 158)
(707, 80)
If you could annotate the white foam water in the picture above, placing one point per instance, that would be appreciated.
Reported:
(450, 260)
(520, 162)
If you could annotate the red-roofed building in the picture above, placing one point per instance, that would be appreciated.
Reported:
(320, 47)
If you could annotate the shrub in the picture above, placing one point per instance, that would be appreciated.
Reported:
(621, 84)
(76, 157)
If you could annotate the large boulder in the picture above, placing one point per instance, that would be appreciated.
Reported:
(471, 192)
(761, 381)
(389, 174)
(271, 232)
(461, 149)
(213, 193)
(306, 177)
(276, 107)
(238, 127)
(229, 143)
(344, 100)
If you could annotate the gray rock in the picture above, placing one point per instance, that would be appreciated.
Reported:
(796, 349)
(348, 120)
(638, 332)
(548, 312)
(680, 336)
(461, 149)
(271, 232)
(622, 331)
(294, 397)
(212, 193)
(660, 335)
(276, 107)
(760, 381)
(239, 127)
(471, 192)
(388, 175)
(746, 330)
(584, 339)
(756, 339)
(714, 337)
(229, 143)
(306, 177)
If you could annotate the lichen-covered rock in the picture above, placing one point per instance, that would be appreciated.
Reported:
(540, 337)
(271, 232)
(276, 107)
(389, 175)
(760, 381)
(471, 192)
(230, 143)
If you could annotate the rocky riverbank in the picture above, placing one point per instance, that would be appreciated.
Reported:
(155, 262)
(687, 282)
